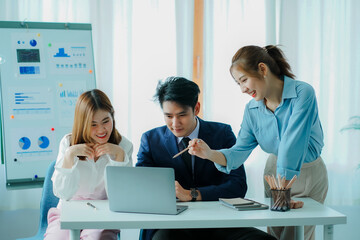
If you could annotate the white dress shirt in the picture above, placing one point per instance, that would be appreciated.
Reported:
(85, 180)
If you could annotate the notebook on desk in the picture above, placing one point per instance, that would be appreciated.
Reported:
(242, 204)
(142, 190)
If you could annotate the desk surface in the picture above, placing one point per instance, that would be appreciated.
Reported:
(77, 215)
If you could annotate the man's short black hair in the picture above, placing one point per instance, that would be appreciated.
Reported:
(177, 89)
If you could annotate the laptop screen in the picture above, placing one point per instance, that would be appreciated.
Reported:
(141, 189)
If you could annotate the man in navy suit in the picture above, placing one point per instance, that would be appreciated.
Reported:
(196, 179)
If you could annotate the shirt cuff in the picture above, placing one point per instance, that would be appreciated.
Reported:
(289, 174)
(221, 168)
(68, 170)
(229, 166)
(117, 163)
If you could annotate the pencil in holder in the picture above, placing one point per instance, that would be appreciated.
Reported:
(280, 200)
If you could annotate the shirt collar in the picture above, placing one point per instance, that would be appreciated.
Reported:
(289, 91)
(194, 133)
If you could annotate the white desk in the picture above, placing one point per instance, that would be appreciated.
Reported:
(76, 215)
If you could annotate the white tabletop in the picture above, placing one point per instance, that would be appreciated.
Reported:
(77, 215)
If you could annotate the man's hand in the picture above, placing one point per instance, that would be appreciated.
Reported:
(181, 193)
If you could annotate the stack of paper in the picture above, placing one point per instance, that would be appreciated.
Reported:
(242, 204)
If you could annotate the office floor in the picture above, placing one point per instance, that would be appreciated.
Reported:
(24, 223)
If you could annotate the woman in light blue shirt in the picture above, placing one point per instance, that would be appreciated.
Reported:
(283, 119)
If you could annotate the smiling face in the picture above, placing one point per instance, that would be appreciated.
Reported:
(249, 84)
(180, 120)
(101, 126)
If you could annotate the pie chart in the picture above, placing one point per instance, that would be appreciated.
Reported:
(33, 42)
(24, 143)
(43, 142)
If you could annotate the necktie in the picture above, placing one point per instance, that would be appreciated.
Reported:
(186, 156)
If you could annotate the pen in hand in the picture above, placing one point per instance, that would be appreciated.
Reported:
(184, 150)
(91, 205)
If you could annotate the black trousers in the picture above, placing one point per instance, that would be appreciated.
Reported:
(212, 234)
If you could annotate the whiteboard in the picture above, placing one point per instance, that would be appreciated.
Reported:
(44, 67)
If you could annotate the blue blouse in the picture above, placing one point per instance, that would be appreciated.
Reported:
(293, 132)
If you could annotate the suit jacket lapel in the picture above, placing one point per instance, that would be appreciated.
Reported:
(171, 143)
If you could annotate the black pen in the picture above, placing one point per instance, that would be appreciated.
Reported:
(89, 204)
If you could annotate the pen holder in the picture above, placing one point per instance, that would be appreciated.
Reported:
(280, 200)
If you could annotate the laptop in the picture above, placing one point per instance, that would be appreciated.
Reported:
(142, 190)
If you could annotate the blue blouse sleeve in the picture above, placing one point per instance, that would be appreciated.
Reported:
(295, 140)
(245, 143)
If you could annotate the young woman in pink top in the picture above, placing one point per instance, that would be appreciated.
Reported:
(83, 155)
